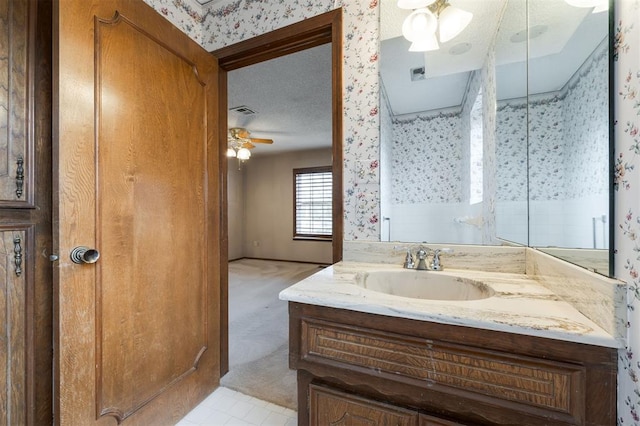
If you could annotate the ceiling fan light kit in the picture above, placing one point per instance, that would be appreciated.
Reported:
(420, 24)
(414, 4)
(432, 17)
(239, 143)
(452, 22)
(243, 154)
(598, 5)
(427, 44)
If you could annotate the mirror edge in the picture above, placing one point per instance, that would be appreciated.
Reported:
(612, 142)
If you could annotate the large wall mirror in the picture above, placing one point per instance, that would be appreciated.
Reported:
(501, 134)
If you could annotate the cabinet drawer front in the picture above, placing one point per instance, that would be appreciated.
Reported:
(332, 407)
(429, 363)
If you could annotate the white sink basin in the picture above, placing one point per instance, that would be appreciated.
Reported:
(424, 285)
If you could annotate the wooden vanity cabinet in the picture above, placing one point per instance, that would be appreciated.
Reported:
(357, 369)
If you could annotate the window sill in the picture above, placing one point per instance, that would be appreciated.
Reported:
(309, 238)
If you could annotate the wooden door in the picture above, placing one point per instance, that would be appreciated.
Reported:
(137, 157)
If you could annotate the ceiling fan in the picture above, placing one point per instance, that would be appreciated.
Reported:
(240, 143)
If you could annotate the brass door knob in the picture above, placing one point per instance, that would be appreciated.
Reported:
(84, 255)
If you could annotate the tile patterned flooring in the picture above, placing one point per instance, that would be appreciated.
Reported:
(230, 408)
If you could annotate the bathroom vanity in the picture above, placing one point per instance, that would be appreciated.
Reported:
(516, 354)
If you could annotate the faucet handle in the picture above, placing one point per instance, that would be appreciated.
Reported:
(409, 263)
(436, 265)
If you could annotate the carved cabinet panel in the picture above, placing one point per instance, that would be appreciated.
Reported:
(16, 107)
(14, 322)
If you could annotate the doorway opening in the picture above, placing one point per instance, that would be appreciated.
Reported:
(310, 33)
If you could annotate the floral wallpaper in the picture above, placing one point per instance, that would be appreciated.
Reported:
(511, 143)
(184, 14)
(427, 159)
(239, 19)
(586, 112)
(627, 198)
(567, 129)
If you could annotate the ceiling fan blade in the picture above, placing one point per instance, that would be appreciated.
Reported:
(258, 140)
(248, 145)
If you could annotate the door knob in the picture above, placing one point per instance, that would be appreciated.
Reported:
(84, 255)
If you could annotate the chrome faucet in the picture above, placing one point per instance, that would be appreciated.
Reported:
(410, 261)
(421, 258)
(421, 254)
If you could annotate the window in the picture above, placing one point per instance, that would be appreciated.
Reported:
(476, 152)
(312, 200)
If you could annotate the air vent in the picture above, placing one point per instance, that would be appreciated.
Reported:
(242, 109)
(417, 74)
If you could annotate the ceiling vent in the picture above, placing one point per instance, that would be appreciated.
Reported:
(242, 109)
(417, 74)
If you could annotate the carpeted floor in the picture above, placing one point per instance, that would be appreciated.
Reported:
(259, 329)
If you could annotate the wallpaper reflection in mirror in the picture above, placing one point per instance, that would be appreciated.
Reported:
(569, 140)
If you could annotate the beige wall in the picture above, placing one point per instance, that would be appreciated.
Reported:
(267, 209)
(235, 191)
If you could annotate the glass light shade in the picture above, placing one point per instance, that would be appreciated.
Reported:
(244, 154)
(602, 7)
(414, 4)
(231, 152)
(585, 3)
(452, 22)
(419, 24)
(426, 44)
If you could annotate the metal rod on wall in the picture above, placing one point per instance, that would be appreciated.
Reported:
(387, 219)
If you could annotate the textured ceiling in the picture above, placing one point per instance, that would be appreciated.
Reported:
(291, 96)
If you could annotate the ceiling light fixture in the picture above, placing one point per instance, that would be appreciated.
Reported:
(414, 4)
(452, 21)
(243, 154)
(421, 26)
(420, 29)
(598, 5)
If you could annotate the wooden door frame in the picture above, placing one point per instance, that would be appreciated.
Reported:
(312, 32)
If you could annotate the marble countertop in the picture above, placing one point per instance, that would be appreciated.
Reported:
(520, 304)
